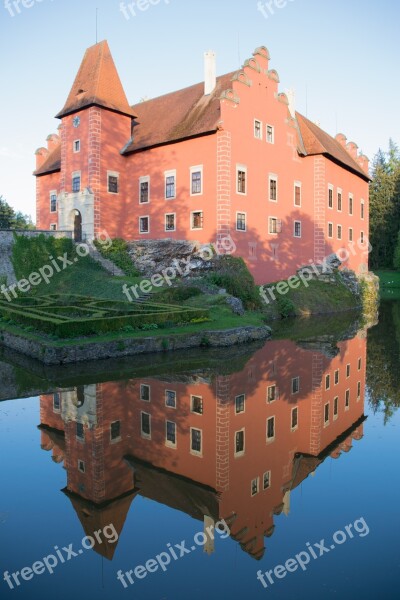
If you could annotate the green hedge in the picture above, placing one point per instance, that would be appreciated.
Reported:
(117, 252)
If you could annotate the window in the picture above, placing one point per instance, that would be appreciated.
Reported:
(297, 229)
(241, 176)
(326, 414)
(327, 382)
(170, 222)
(350, 234)
(239, 442)
(330, 197)
(144, 190)
(196, 405)
(240, 221)
(170, 398)
(76, 182)
(197, 219)
(351, 204)
(255, 486)
(274, 225)
(196, 181)
(170, 185)
(239, 404)
(144, 224)
(53, 202)
(195, 440)
(53, 226)
(295, 385)
(81, 466)
(347, 371)
(267, 480)
(335, 407)
(358, 390)
(272, 393)
(295, 418)
(336, 379)
(77, 146)
(113, 183)
(330, 230)
(339, 232)
(359, 364)
(80, 431)
(362, 209)
(115, 430)
(297, 194)
(362, 237)
(56, 402)
(273, 188)
(170, 433)
(339, 201)
(258, 129)
(270, 429)
(347, 399)
(145, 424)
(270, 134)
(145, 392)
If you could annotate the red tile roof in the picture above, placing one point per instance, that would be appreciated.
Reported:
(98, 83)
(52, 164)
(183, 114)
(317, 141)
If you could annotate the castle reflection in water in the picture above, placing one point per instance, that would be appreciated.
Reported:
(215, 446)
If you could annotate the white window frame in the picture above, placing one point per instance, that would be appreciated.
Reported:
(294, 230)
(269, 223)
(193, 412)
(257, 479)
(119, 438)
(241, 212)
(335, 405)
(167, 174)
(273, 177)
(244, 404)
(197, 169)
(192, 212)
(332, 189)
(270, 387)
(176, 398)
(330, 237)
(53, 226)
(269, 479)
(74, 146)
(196, 452)
(240, 452)
(146, 436)
(327, 421)
(165, 222)
(144, 179)
(168, 443)
(291, 387)
(339, 191)
(347, 399)
(140, 228)
(53, 193)
(271, 439)
(351, 234)
(297, 184)
(362, 209)
(348, 370)
(243, 168)
(340, 238)
(142, 385)
(351, 203)
(75, 175)
(260, 137)
(80, 461)
(113, 174)
(267, 136)
(358, 391)
(336, 373)
(327, 382)
(295, 408)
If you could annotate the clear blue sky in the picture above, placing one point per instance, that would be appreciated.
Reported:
(345, 53)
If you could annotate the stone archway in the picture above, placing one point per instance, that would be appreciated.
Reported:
(77, 226)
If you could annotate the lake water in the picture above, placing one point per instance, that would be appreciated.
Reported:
(265, 471)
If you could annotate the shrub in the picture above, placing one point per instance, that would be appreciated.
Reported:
(232, 274)
(179, 294)
(286, 307)
(396, 258)
(117, 252)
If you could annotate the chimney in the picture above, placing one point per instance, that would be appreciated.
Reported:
(41, 155)
(291, 96)
(210, 72)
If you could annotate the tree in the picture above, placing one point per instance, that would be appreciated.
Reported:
(9, 219)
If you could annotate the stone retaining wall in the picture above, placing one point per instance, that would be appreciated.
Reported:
(52, 355)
